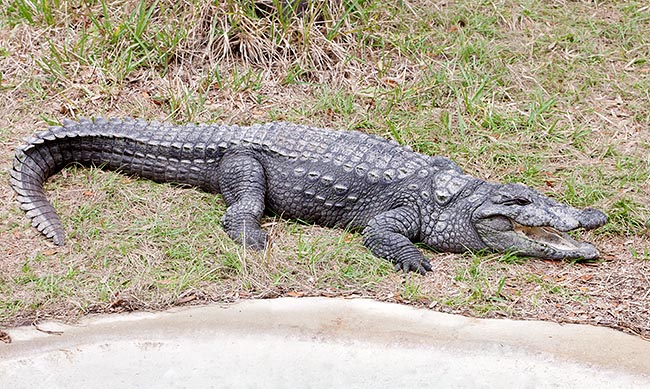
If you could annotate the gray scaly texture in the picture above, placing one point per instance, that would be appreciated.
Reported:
(332, 178)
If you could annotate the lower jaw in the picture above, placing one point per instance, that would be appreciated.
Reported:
(586, 251)
(557, 244)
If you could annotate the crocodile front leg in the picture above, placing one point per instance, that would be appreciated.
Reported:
(243, 185)
(388, 235)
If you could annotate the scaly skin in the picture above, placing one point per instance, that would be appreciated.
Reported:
(332, 178)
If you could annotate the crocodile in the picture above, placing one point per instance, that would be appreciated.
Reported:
(335, 178)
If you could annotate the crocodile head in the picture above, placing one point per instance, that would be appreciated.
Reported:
(515, 218)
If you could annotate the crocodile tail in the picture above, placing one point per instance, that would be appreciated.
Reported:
(32, 165)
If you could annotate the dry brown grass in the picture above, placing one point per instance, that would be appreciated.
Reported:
(394, 71)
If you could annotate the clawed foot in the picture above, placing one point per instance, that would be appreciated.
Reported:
(421, 266)
(245, 232)
(252, 239)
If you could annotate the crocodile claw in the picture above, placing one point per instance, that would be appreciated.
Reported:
(421, 266)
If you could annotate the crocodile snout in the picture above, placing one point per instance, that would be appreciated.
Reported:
(567, 218)
(592, 218)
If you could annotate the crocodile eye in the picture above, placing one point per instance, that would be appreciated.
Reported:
(517, 201)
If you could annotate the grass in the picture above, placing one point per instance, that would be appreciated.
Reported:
(550, 95)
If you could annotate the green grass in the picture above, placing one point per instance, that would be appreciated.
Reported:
(481, 286)
(514, 91)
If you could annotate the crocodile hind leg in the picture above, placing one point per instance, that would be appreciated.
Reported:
(243, 186)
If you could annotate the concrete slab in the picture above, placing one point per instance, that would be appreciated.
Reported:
(319, 343)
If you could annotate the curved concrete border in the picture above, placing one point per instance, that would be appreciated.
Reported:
(319, 343)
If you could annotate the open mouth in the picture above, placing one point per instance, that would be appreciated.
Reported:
(503, 234)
